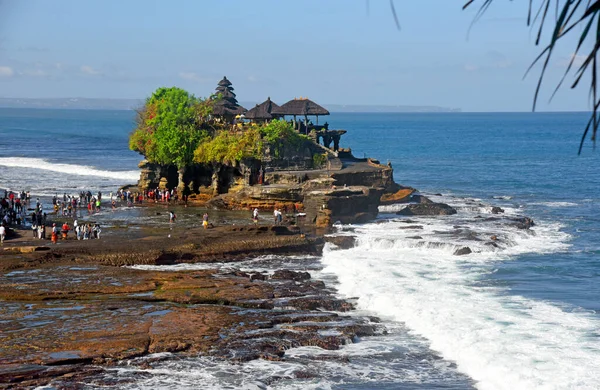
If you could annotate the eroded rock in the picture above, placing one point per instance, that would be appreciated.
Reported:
(427, 209)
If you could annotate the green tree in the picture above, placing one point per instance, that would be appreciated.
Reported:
(170, 127)
(279, 134)
(229, 148)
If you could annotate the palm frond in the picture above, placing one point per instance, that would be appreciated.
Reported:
(569, 14)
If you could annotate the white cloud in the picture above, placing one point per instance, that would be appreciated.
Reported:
(6, 71)
(86, 69)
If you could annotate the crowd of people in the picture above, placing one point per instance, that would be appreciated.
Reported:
(18, 210)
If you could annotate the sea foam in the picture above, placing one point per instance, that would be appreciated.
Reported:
(501, 340)
(70, 169)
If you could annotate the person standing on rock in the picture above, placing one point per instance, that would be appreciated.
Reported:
(205, 220)
(2, 234)
(255, 216)
(54, 233)
(172, 217)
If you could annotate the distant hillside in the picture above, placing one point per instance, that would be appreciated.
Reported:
(130, 104)
(367, 108)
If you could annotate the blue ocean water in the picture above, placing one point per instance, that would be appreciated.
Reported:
(522, 315)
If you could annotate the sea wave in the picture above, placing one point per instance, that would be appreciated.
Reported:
(406, 271)
(70, 169)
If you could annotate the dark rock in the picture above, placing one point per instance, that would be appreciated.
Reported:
(286, 274)
(420, 199)
(427, 209)
(497, 210)
(411, 227)
(415, 237)
(257, 276)
(342, 242)
(523, 222)
(465, 250)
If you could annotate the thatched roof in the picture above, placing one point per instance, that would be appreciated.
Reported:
(228, 105)
(228, 109)
(301, 107)
(228, 95)
(263, 111)
(225, 82)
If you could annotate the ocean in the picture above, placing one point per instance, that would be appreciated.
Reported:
(522, 314)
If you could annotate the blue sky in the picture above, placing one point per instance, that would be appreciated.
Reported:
(333, 51)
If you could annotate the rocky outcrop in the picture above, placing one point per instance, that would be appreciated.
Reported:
(400, 196)
(427, 209)
(523, 222)
(344, 205)
(465, 250)
(497, 210)
(150, 174)
(342, 242)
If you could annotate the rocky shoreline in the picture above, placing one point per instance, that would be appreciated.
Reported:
(73, 310)
(234, 292)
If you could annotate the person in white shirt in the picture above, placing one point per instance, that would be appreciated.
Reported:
(2, 234)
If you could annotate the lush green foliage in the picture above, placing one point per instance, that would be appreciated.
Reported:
(170, 127)
(319, 160)
(279, 134)
(230, 147)
(174, 127)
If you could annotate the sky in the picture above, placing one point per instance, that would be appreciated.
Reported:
(332, 51)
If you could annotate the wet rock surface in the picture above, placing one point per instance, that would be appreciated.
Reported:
(69, 312)
(427, 209)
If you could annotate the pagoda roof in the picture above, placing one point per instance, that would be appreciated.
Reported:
(224, 82)
(301, 106)
(263, 111)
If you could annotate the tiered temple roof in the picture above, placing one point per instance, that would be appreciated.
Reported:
(227, 105)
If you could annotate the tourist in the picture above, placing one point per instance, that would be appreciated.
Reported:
(172, 217)
(54, 233)
(34, 228)
(65, 230)
(205, 220)
(255, 216)
(2, 234)
(97, 231)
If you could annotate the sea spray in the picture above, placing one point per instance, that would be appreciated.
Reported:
(501, 340)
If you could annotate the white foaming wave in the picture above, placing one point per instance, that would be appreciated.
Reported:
(71, 169)
(555, 204)
(264, 264)
(502, 341)
(373, 361)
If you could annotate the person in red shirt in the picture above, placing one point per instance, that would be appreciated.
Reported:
(65, 230)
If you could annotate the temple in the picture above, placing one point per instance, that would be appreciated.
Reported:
(316, 176)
